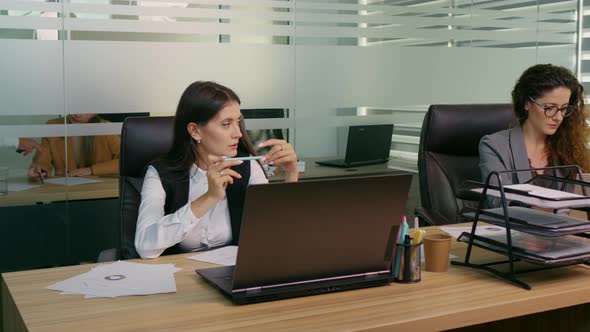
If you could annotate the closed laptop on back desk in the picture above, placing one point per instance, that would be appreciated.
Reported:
(313, 237)
(366, 145)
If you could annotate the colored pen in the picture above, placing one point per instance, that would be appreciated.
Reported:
(418, 237)
(395, 248)
(244, 158)
(407, 260)
(40, 177)
(398, 257)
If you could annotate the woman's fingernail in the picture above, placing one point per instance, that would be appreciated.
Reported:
(260, 145)
(240, 162)
(263, 159)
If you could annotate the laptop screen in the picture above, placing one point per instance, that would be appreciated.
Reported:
(309, 230)
(367, 143)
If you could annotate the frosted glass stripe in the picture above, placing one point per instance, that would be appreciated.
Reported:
(516, 35)
(31, 6)
(419, 22)
(180, 12)
(530, 12)
(177, 27)
(92, 129)
(58, 130)
(236, 3)
(30, 22)
(426, 34)
(300, 31)
(526, 5)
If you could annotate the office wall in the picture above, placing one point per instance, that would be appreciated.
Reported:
(331, 63)
(327, 63)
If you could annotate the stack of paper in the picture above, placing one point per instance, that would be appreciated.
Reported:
(224, 256)
(71, 181)
(121, 279)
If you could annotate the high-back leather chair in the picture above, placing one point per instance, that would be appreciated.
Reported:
(143, 139)
(449, 155)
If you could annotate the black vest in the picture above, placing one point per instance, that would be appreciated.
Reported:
(176, 186)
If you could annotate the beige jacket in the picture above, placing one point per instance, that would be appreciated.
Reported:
(106, 154)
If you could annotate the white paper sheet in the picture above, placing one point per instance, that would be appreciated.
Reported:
(481, 230)
(71, 181)
(121, 279)
(21, 186)
(540, 202)
(223, 256)
(543, 192)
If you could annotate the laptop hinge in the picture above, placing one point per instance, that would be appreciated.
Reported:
(371, 275)
(253, 290)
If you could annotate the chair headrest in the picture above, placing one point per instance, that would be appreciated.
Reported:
(457, 129)
(143, 140)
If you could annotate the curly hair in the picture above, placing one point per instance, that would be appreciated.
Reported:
(568, 146)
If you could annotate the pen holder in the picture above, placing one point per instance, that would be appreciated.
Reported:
(406, 266)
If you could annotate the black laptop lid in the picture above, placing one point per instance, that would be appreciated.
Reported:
(366, 143)
(293, 232)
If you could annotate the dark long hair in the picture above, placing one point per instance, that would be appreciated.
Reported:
(199, 103)
(568, 145)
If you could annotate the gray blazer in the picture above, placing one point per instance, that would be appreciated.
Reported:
(502, 151)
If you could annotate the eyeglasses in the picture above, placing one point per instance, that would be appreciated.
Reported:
(551, 110)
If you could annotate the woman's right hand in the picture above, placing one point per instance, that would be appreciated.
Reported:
(219, 175)
(36, 172)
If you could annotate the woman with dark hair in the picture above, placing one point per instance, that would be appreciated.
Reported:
(192, 198)
(552, 128)
(81, 156)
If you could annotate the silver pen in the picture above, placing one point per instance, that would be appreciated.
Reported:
(244, 158)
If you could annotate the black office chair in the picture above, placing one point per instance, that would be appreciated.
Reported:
(143, 139)
(449, 155)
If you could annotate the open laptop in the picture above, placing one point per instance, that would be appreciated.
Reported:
(314, 237)
(366, 145)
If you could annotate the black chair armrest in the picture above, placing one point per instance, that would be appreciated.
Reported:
(108, 255)
(467, 195)
(429, 217)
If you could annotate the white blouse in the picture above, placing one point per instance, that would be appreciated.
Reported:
(156, 232)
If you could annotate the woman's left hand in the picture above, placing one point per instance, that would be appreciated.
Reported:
(283, 154)
(80, 172)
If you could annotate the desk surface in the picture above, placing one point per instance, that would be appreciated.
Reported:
(460, 297)
(315, 171)
(109, 187)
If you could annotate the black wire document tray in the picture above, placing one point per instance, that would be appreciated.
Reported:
(533, 221)
(551, 240)
(536, 249)
(542, 190)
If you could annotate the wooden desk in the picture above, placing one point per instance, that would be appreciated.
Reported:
(314, 171)
(107, 188)
(461, 297)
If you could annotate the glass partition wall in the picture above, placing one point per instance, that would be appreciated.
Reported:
(303, 68)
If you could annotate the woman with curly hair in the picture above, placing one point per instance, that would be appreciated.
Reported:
(552, 128)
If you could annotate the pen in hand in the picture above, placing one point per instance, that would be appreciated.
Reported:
(41, 177)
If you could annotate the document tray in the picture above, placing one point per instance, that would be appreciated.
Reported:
(562, 250)
(533, 221)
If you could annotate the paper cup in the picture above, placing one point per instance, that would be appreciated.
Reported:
(437, 248)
